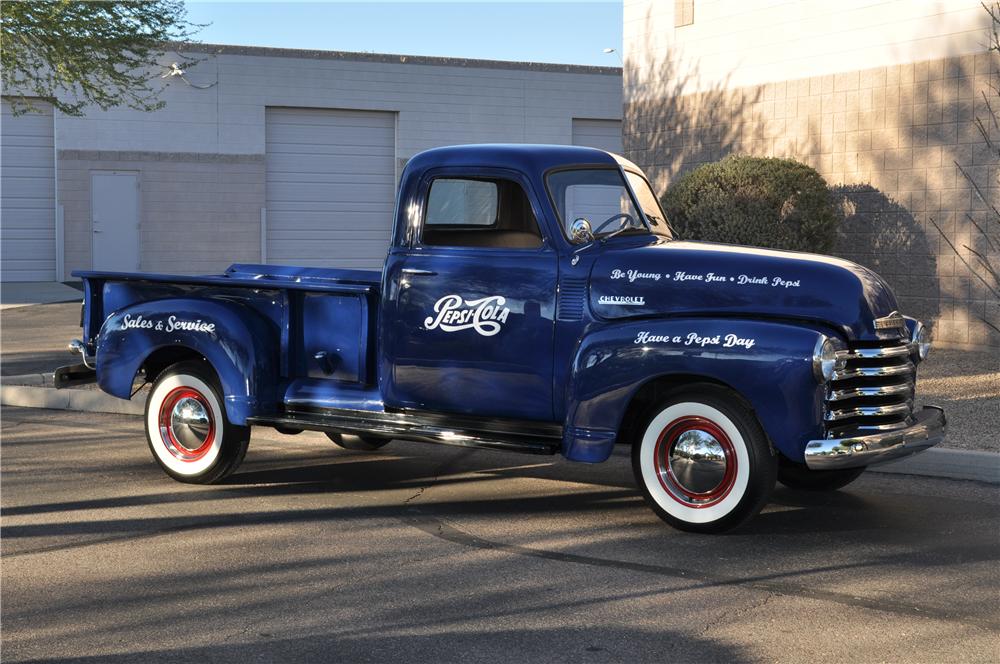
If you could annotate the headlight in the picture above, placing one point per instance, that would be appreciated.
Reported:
(825, 360)
(921, 340)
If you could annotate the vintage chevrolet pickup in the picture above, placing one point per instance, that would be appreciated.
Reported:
(533, 299)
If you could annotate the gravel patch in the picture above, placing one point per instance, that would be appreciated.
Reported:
(967, 385)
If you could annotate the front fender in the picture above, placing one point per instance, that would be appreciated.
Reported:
(768, 363)
(239, 344)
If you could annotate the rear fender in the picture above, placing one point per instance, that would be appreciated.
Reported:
(240, 345)
(768, 363)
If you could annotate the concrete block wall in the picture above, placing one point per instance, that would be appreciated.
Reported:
(439, 100)
(198, 212)
(891, 141)
(202, 158)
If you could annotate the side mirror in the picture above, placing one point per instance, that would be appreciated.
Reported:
(580, 231)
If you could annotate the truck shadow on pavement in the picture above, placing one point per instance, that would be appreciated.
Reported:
(862, 513)
(478, 510)
(449, 645)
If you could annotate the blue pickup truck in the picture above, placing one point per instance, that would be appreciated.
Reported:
(533, 299)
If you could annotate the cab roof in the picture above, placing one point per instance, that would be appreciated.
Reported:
(525, 157)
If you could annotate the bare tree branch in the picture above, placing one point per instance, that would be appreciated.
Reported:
(961, 258)
(979, 228)
(979, 192)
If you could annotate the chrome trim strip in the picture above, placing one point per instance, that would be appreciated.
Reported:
(875, 372)
(928, 429)
(869, 411)
(874, 391)
(864, 428)
(875, 353)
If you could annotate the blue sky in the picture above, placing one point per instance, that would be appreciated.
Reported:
(563, 32)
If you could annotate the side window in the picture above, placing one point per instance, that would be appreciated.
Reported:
(479, 212)
(462, 203)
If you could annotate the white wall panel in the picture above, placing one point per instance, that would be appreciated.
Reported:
(27, 196)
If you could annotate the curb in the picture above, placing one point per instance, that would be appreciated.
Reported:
(34, 379)
(949, 464)
(936, 462)
(7, 306)
(88, 401)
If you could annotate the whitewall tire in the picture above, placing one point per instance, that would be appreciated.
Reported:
(187, 428)
(702, 460)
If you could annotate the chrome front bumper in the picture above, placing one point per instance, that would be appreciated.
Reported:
(927, 430)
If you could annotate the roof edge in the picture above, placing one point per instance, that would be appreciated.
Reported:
(387, 58)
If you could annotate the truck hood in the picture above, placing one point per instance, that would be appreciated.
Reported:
(695, 278)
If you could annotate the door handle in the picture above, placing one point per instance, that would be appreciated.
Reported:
(418, 273)
(97, 230)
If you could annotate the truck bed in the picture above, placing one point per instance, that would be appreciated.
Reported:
(256, 276)
(322, 321)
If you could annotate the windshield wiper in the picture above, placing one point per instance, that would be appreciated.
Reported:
(620, 230)
(656, 220)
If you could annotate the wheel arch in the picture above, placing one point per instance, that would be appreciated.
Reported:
(657, 387)
(160, 359)
(241, 351)
(616, 371)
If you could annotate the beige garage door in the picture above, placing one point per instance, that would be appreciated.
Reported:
(600, 134)
(330, 186)
(27, 196)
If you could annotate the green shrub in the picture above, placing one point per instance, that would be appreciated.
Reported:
(758, 201)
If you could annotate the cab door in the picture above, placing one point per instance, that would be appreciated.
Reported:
(469, 324)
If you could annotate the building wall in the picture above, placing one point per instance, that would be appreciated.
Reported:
(202, 158)
(881, 99)
(198, 212)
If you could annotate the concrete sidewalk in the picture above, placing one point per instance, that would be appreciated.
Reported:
(22, 294)
(965, 383)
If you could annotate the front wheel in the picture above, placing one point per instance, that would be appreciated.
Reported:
(187, 428)
(702, 460)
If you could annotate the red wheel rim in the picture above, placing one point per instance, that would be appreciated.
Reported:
(179, 443)
(719, 448)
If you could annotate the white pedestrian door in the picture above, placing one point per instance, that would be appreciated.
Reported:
(114, 205)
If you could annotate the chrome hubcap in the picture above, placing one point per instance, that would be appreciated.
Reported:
(698, 462)
(190, 423)
(695, 461)
(187, 427)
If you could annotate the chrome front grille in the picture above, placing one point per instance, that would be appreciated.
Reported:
(873, 391)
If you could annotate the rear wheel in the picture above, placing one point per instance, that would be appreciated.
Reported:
(358, 443)
(702, 460)
(187, 428)
(799, 477)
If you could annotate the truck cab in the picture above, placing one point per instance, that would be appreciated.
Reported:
(534, 298)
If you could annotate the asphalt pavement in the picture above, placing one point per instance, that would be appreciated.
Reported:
(33, 339)
(439, 554)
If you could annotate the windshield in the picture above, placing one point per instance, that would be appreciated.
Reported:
(650, 206)
(600, 196)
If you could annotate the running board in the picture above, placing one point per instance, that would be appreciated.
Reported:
(530, 438)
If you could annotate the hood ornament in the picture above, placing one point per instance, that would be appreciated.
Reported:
(893, 321)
